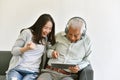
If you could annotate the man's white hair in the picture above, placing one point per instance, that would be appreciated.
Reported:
(75, 22)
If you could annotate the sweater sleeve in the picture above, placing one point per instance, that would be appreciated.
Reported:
(20, 42)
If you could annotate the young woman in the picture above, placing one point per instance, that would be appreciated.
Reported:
(29, 48)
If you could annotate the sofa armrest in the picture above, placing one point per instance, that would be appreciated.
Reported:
(5, 57)
(86, 74)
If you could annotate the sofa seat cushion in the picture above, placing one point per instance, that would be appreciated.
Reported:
(2, 77)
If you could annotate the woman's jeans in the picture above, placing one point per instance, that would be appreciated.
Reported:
(15, 74)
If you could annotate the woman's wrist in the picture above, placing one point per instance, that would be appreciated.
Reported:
(24, 49)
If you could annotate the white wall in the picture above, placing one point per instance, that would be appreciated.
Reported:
(102, 17)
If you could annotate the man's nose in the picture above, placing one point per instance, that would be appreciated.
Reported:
(72, 38)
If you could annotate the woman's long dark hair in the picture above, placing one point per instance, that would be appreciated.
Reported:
(37, 27)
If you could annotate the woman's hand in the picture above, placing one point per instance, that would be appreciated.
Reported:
(28, 46)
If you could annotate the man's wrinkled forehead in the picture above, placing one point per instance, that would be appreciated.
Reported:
(74, 30)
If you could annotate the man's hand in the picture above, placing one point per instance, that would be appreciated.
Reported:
(55, 54)
(74, 69)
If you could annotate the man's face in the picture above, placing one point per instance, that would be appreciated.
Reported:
(74, 34)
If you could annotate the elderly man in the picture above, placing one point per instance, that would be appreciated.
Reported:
(72, 49)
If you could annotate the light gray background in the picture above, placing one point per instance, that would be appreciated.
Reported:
(103, 23)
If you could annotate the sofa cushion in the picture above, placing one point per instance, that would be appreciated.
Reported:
(2, 77)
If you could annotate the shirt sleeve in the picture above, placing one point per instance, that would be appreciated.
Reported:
(85, 61)
(50, 50)
(20, 42)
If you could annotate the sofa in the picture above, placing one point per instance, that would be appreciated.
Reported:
(5, 56)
